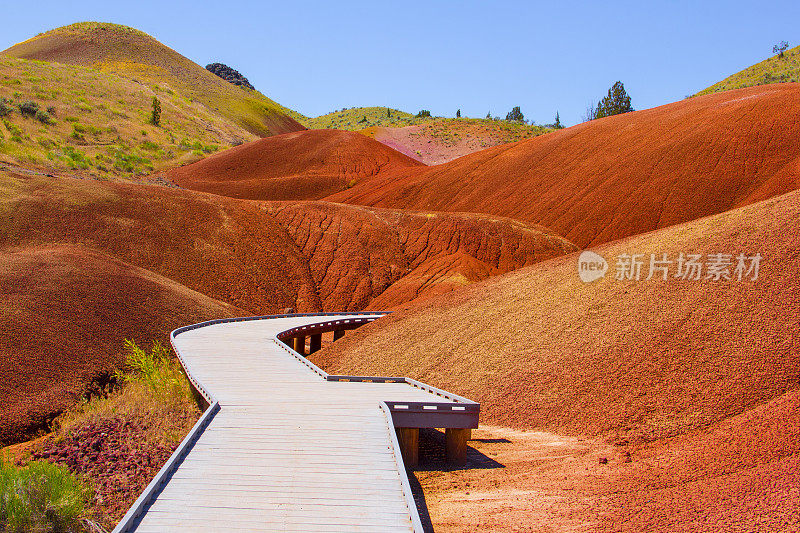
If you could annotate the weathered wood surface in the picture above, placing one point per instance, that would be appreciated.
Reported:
(287, 451)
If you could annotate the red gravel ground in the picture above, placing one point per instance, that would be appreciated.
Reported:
(305, 165)
(623, 175)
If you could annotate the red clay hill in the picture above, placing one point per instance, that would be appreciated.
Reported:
(86, 264)
(622, 175)
(305, 165)
(699, 379)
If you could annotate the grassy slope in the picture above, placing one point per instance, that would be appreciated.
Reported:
(134, 54)
(101, 121)
(445, 129)
(453, 137)
(772, 70)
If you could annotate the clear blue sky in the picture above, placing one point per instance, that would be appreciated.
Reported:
(441, 55)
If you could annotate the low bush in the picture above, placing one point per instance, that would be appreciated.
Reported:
(28, 109)
(40, 496)
(5, 108)
(43, 117)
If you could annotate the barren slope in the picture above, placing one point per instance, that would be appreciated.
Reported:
(134, 54)
(381, 258)
(642, 359)
(622, 175)
(64, 313)
(697, 380)
(303, 165)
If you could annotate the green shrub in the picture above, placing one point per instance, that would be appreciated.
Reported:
(161, 375)
(5, 109)
(40, 497)
(155, 115)
(424, 113)
(28, 109)
(44, 117)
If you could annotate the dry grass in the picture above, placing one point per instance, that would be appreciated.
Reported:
(100, 122)
(772, 70)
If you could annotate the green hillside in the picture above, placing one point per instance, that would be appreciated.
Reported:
(132, 54)
(772, 70)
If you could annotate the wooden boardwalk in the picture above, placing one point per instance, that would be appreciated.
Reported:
(284, 449)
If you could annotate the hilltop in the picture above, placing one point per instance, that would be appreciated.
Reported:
(430, 140)
(306, 165)
(440, 140)
(622, 175)
(130, 53)
(772, 70)
(98, 123)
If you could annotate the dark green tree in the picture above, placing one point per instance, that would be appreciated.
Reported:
(155, 116)
(458, 114)
(388, 112)
(616, 102)
(423, 113)
(557, 123)
(780, 48)
(515, 115)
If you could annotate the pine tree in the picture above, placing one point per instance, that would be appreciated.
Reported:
(388, 112)
(616, 102)
(557, 123)
(515, 115)
(155, 116)
(458, 114)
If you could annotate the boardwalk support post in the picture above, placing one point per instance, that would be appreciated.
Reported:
(300, 344)
(455, 443)
(316, 343)
(408, 438)
(338, 334)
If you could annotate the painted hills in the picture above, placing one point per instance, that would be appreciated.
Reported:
(306, 165)
(698, 380)
(623, 175)
(611, 406)
(136, 250)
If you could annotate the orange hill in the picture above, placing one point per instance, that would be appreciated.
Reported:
(137, 260)
(381, 258)
(541, 349)
(67, 311)
(303, 165)
(622, 175)
(698, 380)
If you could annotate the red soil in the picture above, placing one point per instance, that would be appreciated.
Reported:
(260, 257)
(636, 360)
(380, 258)
(697, 380)
(622, 175)
(66, 311)
(295, 166)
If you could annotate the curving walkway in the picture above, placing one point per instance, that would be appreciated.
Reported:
(284, 446)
